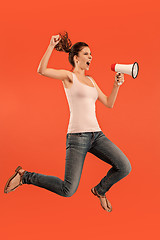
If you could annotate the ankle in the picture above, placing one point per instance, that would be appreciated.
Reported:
(21, 172)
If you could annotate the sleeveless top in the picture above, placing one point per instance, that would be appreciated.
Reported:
(81, 100)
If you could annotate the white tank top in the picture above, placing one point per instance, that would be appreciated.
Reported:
(81, 100)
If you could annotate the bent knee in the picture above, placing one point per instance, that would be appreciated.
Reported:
(68, 192)
(127, 168)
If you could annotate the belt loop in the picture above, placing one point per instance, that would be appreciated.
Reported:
(92, 135)
(92, 138)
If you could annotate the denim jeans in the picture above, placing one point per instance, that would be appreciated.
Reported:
(77, 146)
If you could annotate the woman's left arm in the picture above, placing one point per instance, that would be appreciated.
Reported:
(119, 78)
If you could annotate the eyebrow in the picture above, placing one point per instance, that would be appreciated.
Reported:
(87, 52)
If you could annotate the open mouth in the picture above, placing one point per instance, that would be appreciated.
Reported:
(88, 63)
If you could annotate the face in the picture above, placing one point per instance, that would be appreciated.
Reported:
(83, 59)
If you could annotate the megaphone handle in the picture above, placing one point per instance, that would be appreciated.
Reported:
(119, 83)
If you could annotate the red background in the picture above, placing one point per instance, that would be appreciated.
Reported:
(35, 115)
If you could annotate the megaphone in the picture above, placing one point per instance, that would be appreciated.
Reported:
(131, 69)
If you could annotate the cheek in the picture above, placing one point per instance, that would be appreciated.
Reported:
(85, 59)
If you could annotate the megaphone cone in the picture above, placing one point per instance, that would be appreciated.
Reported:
(131, 69)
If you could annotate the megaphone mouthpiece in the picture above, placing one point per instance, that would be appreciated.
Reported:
(113, 67)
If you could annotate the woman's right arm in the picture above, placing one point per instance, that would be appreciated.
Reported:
(49, 72)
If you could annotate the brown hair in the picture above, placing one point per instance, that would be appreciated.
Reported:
(65, 46)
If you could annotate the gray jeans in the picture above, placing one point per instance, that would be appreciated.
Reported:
(77, 146)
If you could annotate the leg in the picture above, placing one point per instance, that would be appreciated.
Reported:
(107, 151)
(75, 156)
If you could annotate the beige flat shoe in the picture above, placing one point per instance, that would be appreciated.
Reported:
(14, 181)
(106, 205)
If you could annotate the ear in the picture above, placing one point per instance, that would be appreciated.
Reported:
(75, 58)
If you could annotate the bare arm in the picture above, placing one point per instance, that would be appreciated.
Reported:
(44, 62)
(119, 78)
(112, 97)
(49, 72)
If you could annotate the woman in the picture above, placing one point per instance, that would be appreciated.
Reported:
(84, 134)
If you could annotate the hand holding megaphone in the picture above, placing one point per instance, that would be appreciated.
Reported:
(119, 79)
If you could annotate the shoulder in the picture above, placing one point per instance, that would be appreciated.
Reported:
(90, 77)
(69, 75)
(93, 80)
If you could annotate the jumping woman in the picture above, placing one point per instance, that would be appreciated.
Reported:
(83, 134)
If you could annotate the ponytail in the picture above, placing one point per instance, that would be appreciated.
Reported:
(65, 45)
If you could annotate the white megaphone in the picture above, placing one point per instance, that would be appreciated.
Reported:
(131, 69)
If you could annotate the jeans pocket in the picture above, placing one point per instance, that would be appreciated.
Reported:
(77, 139)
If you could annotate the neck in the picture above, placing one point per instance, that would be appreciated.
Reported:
(79, 71)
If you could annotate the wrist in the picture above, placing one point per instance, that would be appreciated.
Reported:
(51, 46)
(116, 85)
